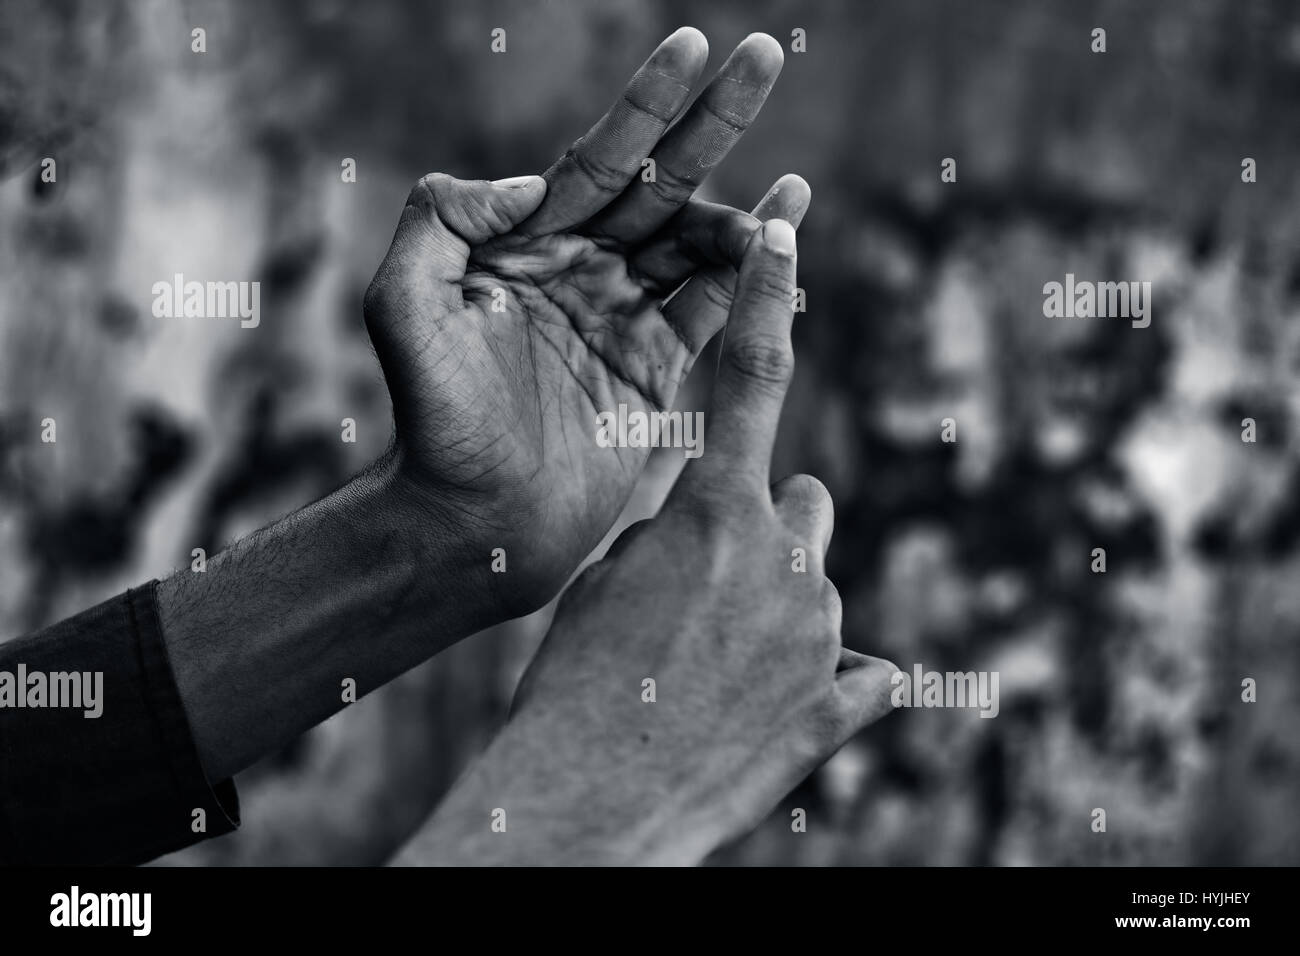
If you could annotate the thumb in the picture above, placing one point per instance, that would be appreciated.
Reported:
(474, 211)
(421, 274)
(445, 216)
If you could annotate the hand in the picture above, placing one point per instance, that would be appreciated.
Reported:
(508, 315)
(492, 412)
(753, 689)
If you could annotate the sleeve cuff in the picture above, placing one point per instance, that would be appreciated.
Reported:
(122, 787)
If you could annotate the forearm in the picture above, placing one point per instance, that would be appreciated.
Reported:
(362, 585)
(569, 798)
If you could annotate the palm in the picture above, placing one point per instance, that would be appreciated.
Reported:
(553, 332)
(508, 316)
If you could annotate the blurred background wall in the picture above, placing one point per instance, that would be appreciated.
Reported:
(1118, 690)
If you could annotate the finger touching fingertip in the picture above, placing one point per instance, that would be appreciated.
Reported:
(788, 199)
(778, 235)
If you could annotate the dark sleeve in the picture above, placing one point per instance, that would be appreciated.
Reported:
(121, 787)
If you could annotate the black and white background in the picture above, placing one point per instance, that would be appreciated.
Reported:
(1120, 690)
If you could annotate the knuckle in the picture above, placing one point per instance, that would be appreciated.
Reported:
(377, 301)
(716, 293)
(718, 517)
(765, 359)
(833, 608)
(713, 510)
(714, 543)
(604, 177)
(478, 218)
(423, 195)
(639, 100)
(807, 492)
(672, 188)
(437, 183)
(827, 650)
(699, 507)
(735, 122)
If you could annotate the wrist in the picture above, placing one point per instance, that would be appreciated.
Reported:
(508, 573)
(358, 585)
(576, 794)
(433, 537)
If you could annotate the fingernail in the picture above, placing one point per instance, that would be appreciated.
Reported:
(779, 236)
(517, 182)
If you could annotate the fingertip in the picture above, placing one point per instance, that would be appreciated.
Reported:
(779, 237)
(763, 51)
(868, 687)
(854, 660)
(684, 51)
(518, 197)
(524, 183)
(795, 190)
(788, 198)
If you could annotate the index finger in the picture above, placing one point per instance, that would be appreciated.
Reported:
(597, 168)
(756, 364)
(700, 307)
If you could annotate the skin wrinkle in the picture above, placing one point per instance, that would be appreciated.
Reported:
(672, 188)
(685, 88)
(684, 250)
(586, 337)
(519, 376)
(645, 109)
(606, 179)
